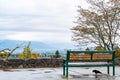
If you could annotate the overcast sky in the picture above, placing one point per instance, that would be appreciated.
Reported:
(38, 20)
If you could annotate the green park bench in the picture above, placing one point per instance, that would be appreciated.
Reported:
(75, 58)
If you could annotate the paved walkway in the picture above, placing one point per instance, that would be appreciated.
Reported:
(56, 74)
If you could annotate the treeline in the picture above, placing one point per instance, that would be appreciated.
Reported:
(99, 47)
(27, 53)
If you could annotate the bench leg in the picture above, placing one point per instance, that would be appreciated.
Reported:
(108, 69)
(63, 70)
(66, 71)
(113, 70)
(63, 67)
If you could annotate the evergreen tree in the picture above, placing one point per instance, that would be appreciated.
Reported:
(57, 54)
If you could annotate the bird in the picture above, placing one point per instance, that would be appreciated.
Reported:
(96, 72)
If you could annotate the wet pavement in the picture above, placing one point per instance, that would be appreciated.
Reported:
(56, 74)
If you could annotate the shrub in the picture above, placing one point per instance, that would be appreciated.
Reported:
(117, 54)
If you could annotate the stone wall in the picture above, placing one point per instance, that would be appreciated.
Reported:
(30, 63)
(35, 63)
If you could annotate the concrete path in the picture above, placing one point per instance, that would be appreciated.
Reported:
(56, 74)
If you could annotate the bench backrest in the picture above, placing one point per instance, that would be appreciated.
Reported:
(90, 55)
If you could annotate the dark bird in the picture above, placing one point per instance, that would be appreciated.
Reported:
(96, 72)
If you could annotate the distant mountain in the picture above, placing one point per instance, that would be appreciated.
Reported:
(13, 43)
(36, 46)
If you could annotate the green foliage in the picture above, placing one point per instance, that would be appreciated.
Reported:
(6, 53)
(57, 54)
(27, 51)
(87, 49)
(33, 56)
(99, 47)
(64, 77)
(3, 55)
(28, 54)
(117, 54)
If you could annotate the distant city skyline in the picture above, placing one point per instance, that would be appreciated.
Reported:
(38, 20)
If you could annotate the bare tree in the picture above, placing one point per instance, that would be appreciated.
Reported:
(100, 24)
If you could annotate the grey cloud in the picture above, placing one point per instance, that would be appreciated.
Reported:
(32, 23)
(52, 16)
(31, 30)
